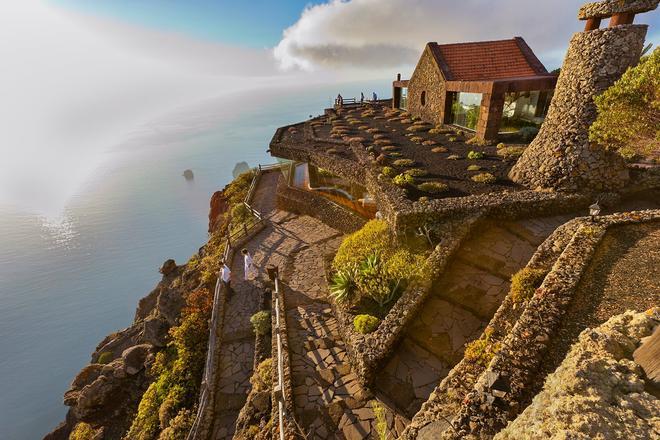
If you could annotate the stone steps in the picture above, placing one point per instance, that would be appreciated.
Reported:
(461, 304)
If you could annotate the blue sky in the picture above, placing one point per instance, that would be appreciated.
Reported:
(252, 23)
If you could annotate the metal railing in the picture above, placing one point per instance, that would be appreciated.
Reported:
(232, 237)
(279, 388)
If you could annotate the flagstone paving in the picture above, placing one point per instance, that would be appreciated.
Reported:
(461, 303)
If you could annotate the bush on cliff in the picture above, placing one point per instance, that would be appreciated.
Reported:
(629, 111)
(177, 371)
(82, 431)
(525, 282)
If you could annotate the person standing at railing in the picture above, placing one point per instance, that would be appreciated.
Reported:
(250, 269)
(225, 277)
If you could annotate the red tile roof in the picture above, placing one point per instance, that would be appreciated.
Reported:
(487, 60)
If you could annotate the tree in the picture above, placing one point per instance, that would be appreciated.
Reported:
(629, 111)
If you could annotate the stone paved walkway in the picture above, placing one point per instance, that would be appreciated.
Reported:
(461, 304)
(237, 349)
(329, 402)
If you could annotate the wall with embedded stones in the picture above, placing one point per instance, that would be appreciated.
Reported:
(561, 156)
(427, 78)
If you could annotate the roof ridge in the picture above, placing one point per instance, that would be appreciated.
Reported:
(472, 42)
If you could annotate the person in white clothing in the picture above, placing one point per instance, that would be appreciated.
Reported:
(225, 276)
(250, 269)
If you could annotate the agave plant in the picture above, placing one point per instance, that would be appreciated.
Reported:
(342, 285)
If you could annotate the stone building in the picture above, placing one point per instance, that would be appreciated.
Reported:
(487, 87)
(561, 156)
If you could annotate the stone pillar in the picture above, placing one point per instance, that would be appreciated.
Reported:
(561, 156)
(490, 116)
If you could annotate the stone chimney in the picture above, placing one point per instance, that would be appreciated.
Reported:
(561, 156)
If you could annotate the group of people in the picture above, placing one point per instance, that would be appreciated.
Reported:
(339, 100)
(250, 270)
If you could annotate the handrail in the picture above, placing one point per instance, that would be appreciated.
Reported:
(280, 362)
(213, 324)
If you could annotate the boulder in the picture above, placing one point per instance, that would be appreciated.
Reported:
(134, 358)
(94, 396)
(169, 305)
(168, 267)
(147, 304)
(155, 331)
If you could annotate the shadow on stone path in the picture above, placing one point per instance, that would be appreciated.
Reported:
(329, 401)
(461, 304)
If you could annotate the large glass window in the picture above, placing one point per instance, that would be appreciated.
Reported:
(524, 109)
(465, 109)
(332, 187)
(403, 103)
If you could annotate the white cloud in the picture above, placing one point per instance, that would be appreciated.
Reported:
(388, 33)
(72, 86)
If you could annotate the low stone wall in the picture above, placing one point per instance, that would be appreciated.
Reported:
(367, 352)
(290, 427)
(307, 203)
(445, 401)
(495, 396)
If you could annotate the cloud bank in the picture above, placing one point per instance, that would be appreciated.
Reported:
(387, 33)
(73, 86)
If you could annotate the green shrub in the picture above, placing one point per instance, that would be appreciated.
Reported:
(416, 172)
(417, 139)
(374, 236)
(433, 187)
(261, 322)
(484, 178)
(629, 111)
(394, 154)
(482, 350)
(474, 168)
(525, 282)
(262, 378)
(389, 148)
(501, 145)
(105, 358)
(82, 431)
(389, 171)
(342, 285)
(365, 323)
(474, 155)
(453, 157)
(240, 214)
(453, 138)
(179, 426)
(403, 163)
(403, 180)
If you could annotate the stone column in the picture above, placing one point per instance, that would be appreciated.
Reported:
(490, 116)
(561, 156)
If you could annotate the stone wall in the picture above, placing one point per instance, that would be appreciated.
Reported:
(307, 203)
(561, 156)
(427, 78)
(501, 387)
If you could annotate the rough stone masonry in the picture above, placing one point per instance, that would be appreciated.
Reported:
(561, 156)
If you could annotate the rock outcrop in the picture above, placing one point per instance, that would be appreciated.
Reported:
(598, 391)
(219, 206)
(105, 394)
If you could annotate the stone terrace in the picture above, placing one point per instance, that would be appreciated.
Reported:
(389, 135)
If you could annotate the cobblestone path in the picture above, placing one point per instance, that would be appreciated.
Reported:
(461, 303)
(329, 402)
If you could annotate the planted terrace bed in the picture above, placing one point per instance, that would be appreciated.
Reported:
(406, 147)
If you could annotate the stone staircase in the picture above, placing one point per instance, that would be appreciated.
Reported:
(461, 304)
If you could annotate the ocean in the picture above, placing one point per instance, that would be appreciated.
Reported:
(70, 278)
